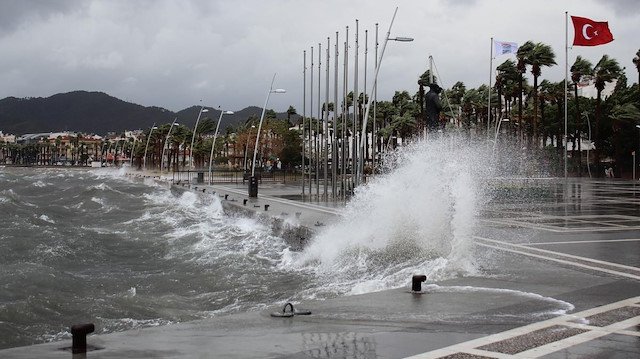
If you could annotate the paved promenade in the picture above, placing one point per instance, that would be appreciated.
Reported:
(563, 282)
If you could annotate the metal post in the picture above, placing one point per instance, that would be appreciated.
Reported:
(317, 137)
(311, 147)
(354, 160)
(375, 77)
(304, 115)
(326, 127)
(334, 152)
(193, 136)
(375, 107)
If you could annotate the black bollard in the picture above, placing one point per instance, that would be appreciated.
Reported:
(226, 196)
(266, 207)
(416, 282)
(244, 202)
(79, 333)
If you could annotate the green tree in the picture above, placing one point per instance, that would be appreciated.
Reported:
(636, 61)
(580, 68)
(523, 60)
(538, 56)
(606, 70)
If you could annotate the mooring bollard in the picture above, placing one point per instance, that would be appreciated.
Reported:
(266, 207)
(226, 196)
(244, 202)
(416, 282)
(79, 333)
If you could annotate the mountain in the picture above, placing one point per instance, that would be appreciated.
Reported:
(99, 113)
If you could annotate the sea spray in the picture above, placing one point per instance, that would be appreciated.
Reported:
(417, 217)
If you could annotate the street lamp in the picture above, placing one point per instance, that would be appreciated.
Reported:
(360, 167)
(193, 137)
(144, 161)
(634, 155)
(253, 183)
(246, 150)
(164, 147)
(213, 144)
(495, 139)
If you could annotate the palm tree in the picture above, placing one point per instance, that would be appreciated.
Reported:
(523, 60)
(579, 68)
(636, 61)
(507, 73)
(606, 70)
(539, 56)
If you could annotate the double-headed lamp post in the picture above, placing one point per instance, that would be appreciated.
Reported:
(144, 160)
(193, 137)
(213, 144)
(253, 182)
(361, 159)
(164, 147)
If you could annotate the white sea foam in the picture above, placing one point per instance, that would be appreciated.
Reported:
(417, 218)
(562, 306)
(45, 218)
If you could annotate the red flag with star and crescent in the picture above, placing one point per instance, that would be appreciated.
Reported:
(589, 32)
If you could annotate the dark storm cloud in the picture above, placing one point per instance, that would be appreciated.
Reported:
(15, 12)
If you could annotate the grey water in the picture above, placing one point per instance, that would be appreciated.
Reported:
(82, 245)
(123, 252)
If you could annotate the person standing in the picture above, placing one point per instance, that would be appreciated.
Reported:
(433, 106)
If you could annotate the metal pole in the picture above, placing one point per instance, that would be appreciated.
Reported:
(566, 76)
(375, 77)
(356, 178)
(490, 78)
(164, 147)
(365, 100)
(375, 108)
(345, 143)
(304, 115)
(334, 152)
(326, 127)
(213, 144)
(193, 137)
(144, 161)
(264, 108)
(311, 144)
(317, 137)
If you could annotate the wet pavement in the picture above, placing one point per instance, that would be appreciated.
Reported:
(561, 280)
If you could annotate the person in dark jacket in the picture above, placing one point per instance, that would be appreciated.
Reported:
(433, 106)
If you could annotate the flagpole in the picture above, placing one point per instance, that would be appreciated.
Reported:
(566, 76)
(489, 100)
(304, 121)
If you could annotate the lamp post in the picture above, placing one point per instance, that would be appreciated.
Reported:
(246, 150)
(132, 151)
(634, 154)
(215, 135)
(253, 182)
(193, 137)
(144, 160)
(495, 139)
(360, 167)
(164, 147)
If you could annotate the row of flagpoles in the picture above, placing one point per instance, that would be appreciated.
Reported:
(587, 32)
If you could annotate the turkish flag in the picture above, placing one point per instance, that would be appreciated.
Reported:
(590, 33)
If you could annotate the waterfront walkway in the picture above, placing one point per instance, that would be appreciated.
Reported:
(563, 281)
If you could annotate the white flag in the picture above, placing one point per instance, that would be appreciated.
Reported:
(503, 48)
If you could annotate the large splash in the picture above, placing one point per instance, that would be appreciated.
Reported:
(418, 217)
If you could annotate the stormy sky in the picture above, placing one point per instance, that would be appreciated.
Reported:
(175, 53)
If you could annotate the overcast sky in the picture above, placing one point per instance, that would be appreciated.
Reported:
(174, 53)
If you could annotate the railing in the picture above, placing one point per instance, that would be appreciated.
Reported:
(236, 177)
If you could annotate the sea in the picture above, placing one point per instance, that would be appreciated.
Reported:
(102, 246)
